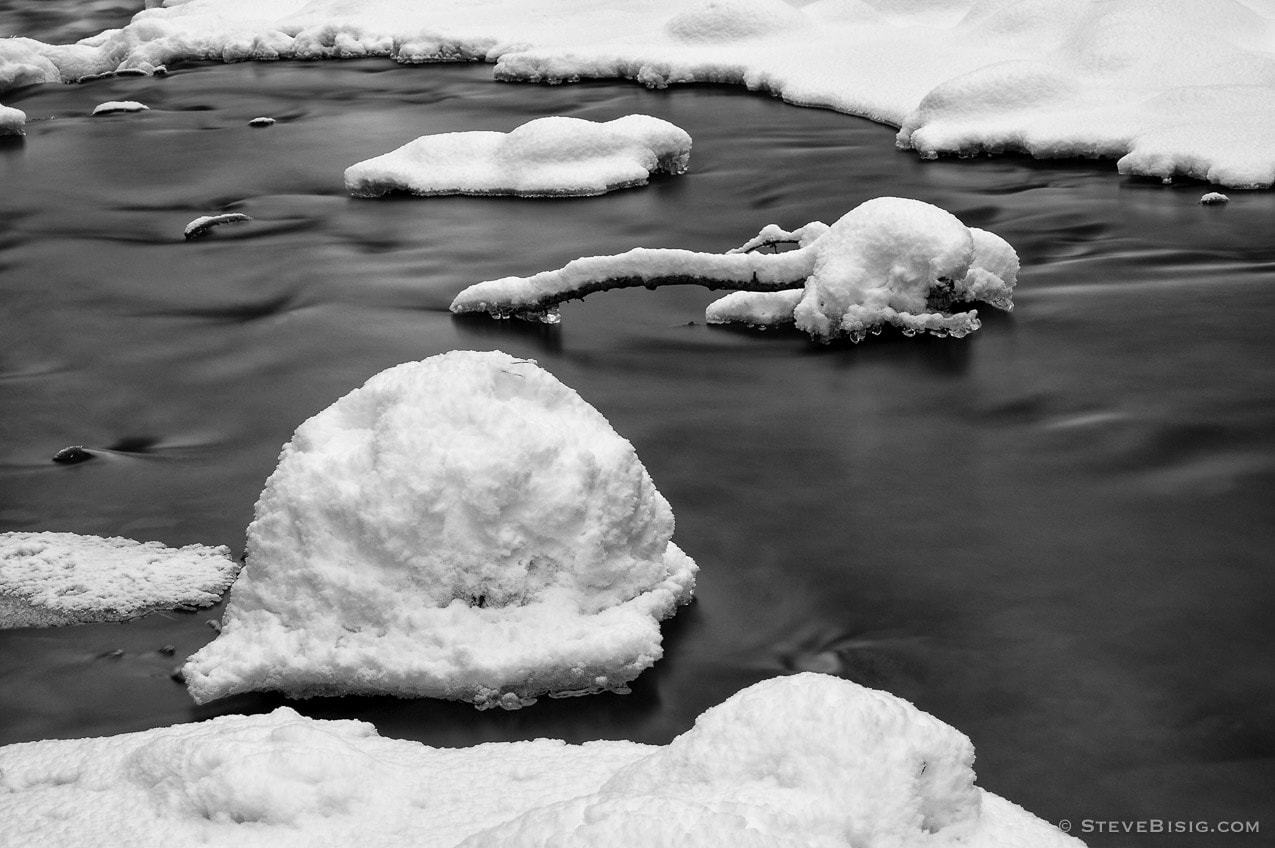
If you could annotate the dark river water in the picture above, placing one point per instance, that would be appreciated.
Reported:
(1055, 534)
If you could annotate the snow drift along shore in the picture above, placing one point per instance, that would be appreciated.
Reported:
(1169, 87)
(807, 761)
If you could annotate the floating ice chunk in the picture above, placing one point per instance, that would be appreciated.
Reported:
(887, 261)
(12, 121)
(112, 106)
(805, 761)
(464, 527)
(544, 157)
(262, 122)
(1213, 198)
(50, 579)
(204, 223)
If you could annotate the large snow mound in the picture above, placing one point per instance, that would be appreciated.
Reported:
(1170, 87)
(807, 760)
(888, 261)
(545, 157)
(464, 527)
(49, 579)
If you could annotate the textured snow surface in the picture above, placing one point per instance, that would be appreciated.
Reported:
(464, 527)
(888, 261)
(49, 579)
(547, 156)
(113, 106)
(807, 760)
(12, 121)
(1170, 87)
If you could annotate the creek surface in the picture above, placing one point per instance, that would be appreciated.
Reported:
(1054, 534)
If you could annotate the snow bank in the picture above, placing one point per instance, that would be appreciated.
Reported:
(888, 261)
(547, 156)
(808, 760)
(463, 527)
(49, 579)
(1170, 87)
(12, 121)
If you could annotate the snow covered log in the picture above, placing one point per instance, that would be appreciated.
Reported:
(547, 157)
(889, 261)
(807, 761)
(464, 527)
(50, 579)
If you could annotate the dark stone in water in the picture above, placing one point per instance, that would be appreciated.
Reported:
(168, 650)
(72, 455)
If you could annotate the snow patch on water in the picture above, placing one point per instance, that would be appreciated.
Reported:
(49, 579)
(554, 156)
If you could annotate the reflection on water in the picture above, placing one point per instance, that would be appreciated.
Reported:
(1054, 534)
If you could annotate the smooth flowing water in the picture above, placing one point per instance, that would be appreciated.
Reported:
(1055, 534)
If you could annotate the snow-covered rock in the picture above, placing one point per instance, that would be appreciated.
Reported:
(12, 121)
(111, 107)
(888, 261)
(1169, 87)
(49, 579)
(204, 223)
(464, 527)
(808, 760)
(1214, 198)
(544, 157)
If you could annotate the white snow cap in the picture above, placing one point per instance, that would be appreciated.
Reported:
(881, 262)
(545, 157)
(12, 121)
(204, 223)
(49, 579)
(793, 762)
(888, 261)
(112, 106)
(1170, 87)
(464, 527)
